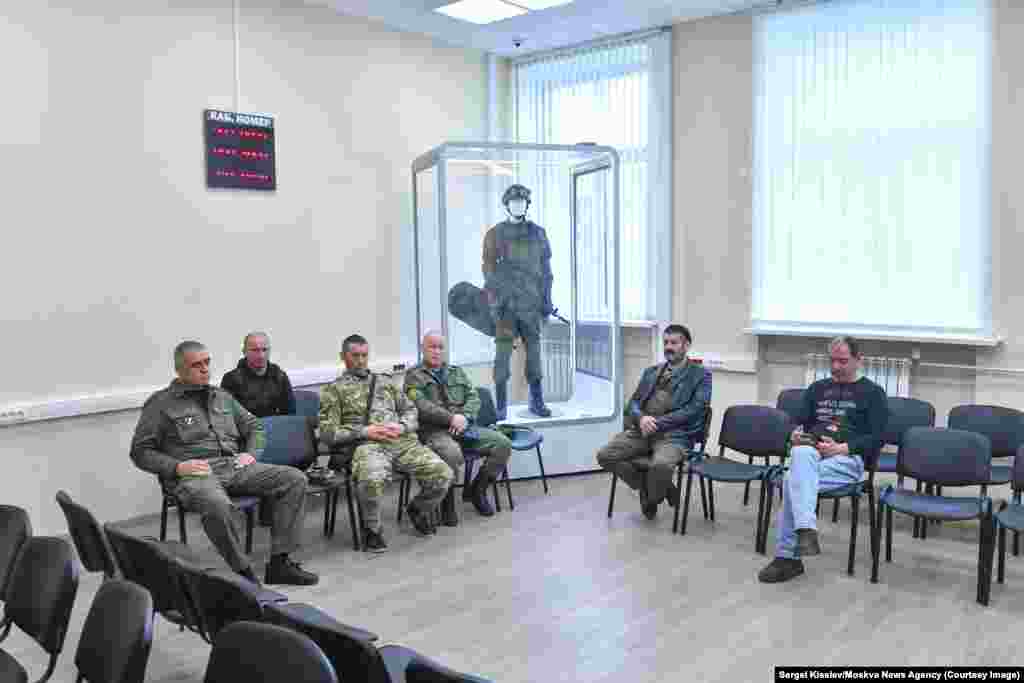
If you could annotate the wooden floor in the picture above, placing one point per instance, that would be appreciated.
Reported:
(554, 591)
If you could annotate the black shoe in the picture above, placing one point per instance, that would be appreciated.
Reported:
(537, 406)
(672, 495)
(780, 570)
(373, 542)
(283, 570)
(479, 497)
(807, 543)
(420, 520)
(650, 510)
(248, 573)
(448, 515)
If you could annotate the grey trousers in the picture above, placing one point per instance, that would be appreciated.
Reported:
(282, 487)
(662, 455)
(493, 443)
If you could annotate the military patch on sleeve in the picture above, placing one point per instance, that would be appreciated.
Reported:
(413, 393)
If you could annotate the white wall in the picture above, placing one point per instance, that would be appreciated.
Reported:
(116, 250)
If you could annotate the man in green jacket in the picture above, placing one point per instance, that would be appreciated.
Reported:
(448, 405)
(203, 446)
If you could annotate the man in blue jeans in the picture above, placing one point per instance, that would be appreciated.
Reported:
(840, 420)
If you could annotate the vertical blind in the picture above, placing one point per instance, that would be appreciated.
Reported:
(614, 94)
(872, 131)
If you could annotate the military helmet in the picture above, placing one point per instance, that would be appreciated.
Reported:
(516, 191)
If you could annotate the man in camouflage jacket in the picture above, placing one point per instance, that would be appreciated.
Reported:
(448, 404)
(382, 442)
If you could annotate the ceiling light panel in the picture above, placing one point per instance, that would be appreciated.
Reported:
(481, 11)
(539, 4)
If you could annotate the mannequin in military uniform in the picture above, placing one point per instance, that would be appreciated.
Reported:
(517, 281)
(447, 403)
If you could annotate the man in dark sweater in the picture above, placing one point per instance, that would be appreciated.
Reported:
(841, 421)
(260, 386)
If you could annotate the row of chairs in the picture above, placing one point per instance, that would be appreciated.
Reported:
(207, 599)
(291, 440)
(39, 584)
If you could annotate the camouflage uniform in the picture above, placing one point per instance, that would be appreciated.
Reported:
(517, 269)
(438, 395)
(342, 407)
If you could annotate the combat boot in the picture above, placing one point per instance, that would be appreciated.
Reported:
(448, 515)
(478, 494)
(501, 400)
(537, 406)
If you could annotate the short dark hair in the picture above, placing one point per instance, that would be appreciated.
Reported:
(675, 328)
(352, 340)
(849, 342)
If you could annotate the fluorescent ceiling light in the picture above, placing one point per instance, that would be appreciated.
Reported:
(481, 11)
(539, 4)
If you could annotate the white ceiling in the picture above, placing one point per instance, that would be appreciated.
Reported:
(571, 24)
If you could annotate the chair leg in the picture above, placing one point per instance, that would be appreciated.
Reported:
(704, 499)
(508, 489)
(250, 521)
(990, 549)
(835, 510)
(1016, 543)
(352, 521)
(888, 534)
(182, 536)
(402, 495)
(543, 475)
(767, 521)
(1001, 576)
(611, 495)
(711, 498)
(679, 487)
(746, 487)
(876, 541)
(497, 498)
(758, 546)
(983, 534)
(686, 503)
(163, 520)
(854, 514)
(817, 509)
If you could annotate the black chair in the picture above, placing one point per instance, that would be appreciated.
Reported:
(307, 403)
(257, 653)
(1004, 428)
(755, 431)
(791, 401)
(41, 594)
(1011, 514)
(354, 656)
(117, 635)
(248, 505)
(290, 442)
(642, 465)
(15, 529)
(94, 551)
(222, 597)
(942, 457)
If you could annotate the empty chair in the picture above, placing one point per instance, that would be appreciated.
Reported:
(942, 457)
(15, 529)
(1004, 428)
(94, 551)
(754, 431)
(117, 635)
(1011, 514)
(41, 594)
(265, 653)
(222, 597)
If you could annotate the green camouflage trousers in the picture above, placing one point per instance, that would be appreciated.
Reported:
(492, 443)
(372, 467)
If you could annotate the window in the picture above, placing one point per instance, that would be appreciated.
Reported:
(871, 209)
(616, 94)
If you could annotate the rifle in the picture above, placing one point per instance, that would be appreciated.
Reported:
(554, 314)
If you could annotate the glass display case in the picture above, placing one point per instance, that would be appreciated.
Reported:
(458, 193)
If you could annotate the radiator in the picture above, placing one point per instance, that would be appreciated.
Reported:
(892, 374)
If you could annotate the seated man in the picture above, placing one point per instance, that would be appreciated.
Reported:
(448, 405)
(667, 413)
(370, 413)
(260, 386)
(203, 446)
(841, 419)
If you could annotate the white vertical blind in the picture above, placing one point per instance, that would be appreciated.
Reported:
(872, 183)
(614, 94)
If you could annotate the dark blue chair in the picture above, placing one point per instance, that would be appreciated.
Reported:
(1004, 428)
(754, 431)
(117, 635)
(15, 529)
(1011, 514)
(94, 551)
(941, 457)
(255, 652)
(40, 597)
(290, 442)
(307, 403)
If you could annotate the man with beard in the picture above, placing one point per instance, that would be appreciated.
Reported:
(665, 417)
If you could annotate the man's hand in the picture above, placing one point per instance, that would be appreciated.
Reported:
(457, 424)
(648, 425)
(389, 431)
(243, 459)
(192, 468)
(828, 448)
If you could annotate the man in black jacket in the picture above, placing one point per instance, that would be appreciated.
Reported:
(262, 387)
(666, 413)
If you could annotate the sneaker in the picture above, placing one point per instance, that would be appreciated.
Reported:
(420, 520)
(672, 495)
(781, 569)
(283, 570)
(650, 510)
(807, 542)
(373, 542)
